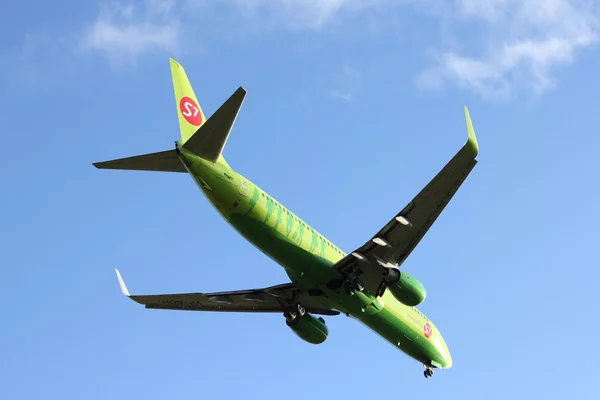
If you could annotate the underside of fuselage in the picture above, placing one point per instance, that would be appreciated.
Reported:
(312, 271)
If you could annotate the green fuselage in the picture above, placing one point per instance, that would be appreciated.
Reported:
(308, 257)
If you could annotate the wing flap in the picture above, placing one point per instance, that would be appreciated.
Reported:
(201, 302)
(424, 209)
(252, 300)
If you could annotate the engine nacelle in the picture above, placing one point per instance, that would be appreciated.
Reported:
(308, 328)
(408, 290)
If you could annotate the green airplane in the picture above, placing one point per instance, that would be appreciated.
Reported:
(366, 284)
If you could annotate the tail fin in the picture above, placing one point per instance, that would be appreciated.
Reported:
(190, 114)
(205, 138)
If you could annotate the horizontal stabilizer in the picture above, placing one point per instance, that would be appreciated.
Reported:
(165, 161)
(208, 142)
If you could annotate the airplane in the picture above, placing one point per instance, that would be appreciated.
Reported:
(365, 284)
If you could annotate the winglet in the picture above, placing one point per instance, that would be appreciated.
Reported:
(122, 284)
(472, 142)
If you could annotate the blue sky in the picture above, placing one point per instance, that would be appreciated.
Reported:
(352, 107)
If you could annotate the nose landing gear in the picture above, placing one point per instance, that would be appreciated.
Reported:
(428, 371)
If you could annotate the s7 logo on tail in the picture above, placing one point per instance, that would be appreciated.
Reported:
(190, 111)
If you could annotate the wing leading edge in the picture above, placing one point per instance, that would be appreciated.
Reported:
(271, 299)
(397, 239)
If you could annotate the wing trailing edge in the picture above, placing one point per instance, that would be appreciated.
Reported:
(393, 243)
(267, 300)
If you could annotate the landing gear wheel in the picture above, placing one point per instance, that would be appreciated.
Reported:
(354, 285)
(293, 314)
(428, 371)
(291, 318)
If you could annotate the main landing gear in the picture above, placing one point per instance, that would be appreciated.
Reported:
(428, 371)
(354, 285)
(293, 314)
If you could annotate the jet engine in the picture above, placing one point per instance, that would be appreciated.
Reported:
(407, 290)
(308, 328)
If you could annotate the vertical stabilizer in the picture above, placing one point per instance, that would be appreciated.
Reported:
(190, 114)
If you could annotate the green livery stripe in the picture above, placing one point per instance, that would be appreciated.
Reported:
(308, 257)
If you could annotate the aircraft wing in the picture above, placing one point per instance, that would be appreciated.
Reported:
(397, 239)
(271, 299)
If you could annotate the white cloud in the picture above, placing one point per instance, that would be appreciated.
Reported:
(495, 48)
(505, 47)
(348, 82)
(486, 9)
(298, 14)
(525, 42)
(124, 31)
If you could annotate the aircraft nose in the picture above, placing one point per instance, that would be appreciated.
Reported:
(447, 360)
(446, 357)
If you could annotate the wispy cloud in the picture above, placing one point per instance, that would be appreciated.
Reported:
(124, 31)
(524, 43)
(495, 48)
(347, 83)
(498, 49)
(297, 15)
